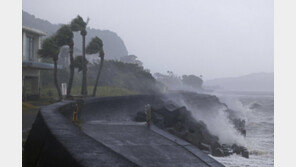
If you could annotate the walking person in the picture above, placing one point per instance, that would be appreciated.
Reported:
(148, 114)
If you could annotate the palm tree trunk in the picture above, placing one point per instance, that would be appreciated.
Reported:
(84, 70)
(56, 79)
(98, 76)
(71, 71)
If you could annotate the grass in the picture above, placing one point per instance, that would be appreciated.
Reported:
(28, 106)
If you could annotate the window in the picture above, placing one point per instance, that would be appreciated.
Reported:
(29, 48)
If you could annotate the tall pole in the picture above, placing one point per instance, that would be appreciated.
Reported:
(84, 66)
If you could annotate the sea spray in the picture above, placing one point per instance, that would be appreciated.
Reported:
(219, 125)
(239, 109)
(259, 126)
(217, 119)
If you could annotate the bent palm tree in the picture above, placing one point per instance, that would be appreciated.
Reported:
(64, 36)
(77, 63)
(78, 24)
(49, 49)
(95, 46)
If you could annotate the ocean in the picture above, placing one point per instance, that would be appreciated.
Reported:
(257, 108)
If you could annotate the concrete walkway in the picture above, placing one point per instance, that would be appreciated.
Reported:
(147, 147)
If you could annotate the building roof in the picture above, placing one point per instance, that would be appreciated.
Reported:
(39, 65)
(34, 31)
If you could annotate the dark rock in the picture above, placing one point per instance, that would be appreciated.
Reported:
(218, 152)
(204, 146)
(240, 124)
(157, 120)
(227, 150)
(244, 132)
(170, 112)
(240, 150)
(180, 122)
(255, 106)
(193, 138)
(236, 149)
(245, 153)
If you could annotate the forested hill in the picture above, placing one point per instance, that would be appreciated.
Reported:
(114, 46)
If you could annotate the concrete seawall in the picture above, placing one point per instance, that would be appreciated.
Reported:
(55, 141)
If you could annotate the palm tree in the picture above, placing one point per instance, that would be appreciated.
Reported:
(78, 24)
(64, 36)
(95, 46)
(50, 49)
(77, 63)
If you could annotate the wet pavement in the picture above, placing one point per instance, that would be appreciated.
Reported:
(146, 146)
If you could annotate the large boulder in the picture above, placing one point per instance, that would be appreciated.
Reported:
(245, 152)
(170, 112)
(240, 125)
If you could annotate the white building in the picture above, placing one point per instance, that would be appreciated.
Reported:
(32, 39)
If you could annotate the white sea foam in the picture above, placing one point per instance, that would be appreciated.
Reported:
(259, 139)
(218, 123)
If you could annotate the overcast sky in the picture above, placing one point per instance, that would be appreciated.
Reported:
(215, 38)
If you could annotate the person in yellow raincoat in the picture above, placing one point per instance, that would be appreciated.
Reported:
(148, 114)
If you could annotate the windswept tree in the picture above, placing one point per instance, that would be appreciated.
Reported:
(64, 36)
(193, 81)
(78, 62)
(95, 46)
(50, 49)
(131, 59)
(78, 24)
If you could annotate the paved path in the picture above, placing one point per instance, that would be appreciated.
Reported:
(147, 147)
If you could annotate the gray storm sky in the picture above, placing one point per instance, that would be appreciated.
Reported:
(215, 38)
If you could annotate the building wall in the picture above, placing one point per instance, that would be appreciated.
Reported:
(30, 76)
(37, 44)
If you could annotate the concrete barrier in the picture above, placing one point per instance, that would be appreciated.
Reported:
(55, 141)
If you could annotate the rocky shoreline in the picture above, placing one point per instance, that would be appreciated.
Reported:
(179, 121)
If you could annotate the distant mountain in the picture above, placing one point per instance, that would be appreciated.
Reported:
(114, 46)
(251, 82)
